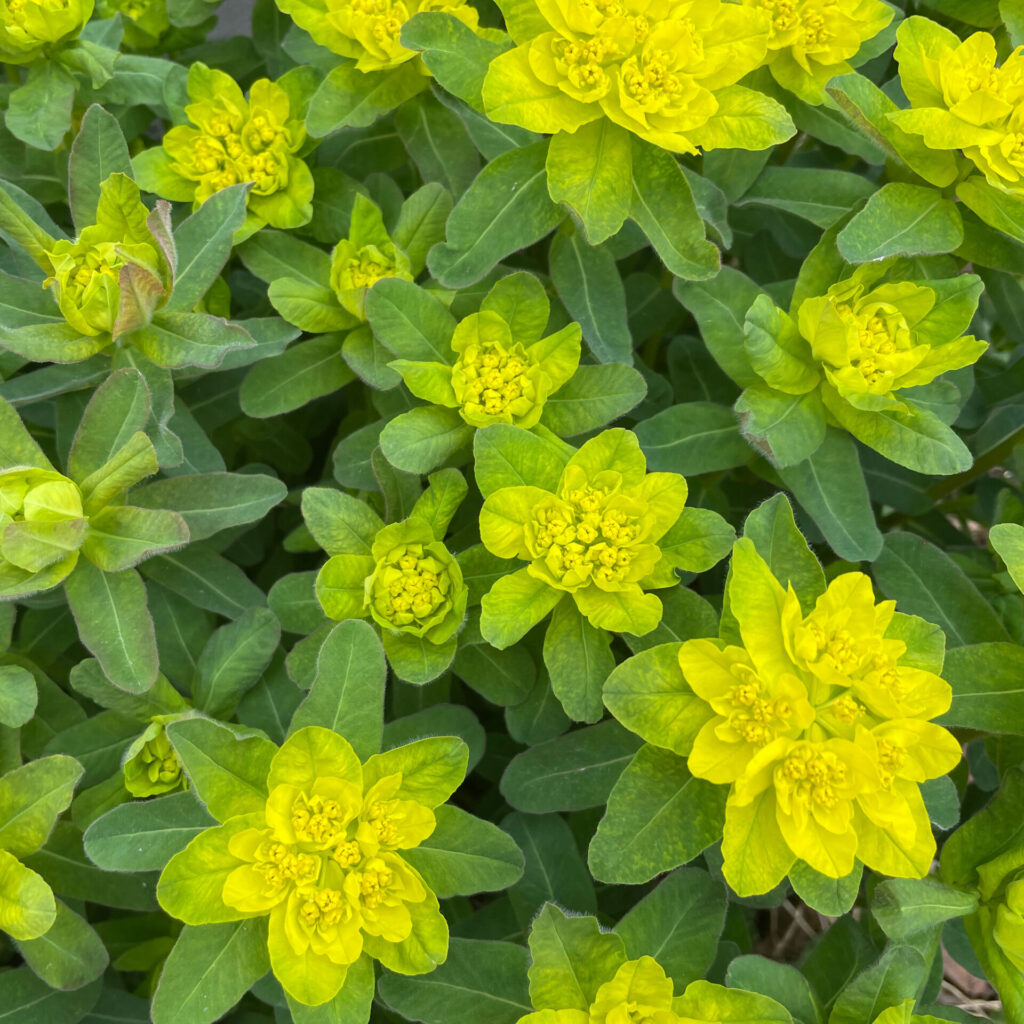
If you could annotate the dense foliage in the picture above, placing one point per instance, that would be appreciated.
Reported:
(512, 512)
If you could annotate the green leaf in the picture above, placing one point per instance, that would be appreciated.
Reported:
(415, 660)
(571, 772)
(188, 339)
(98, 151)
(925, 581)
(782, 982)
(347, 694)
(32, 797)
(589, 171)
(588, 282)
(697, 540)
(902, 220)
(593, 397)
(204, 244)
(658, 817)
(350, 1006)
(898, 974)
(785, 428)
(999, 209)
(502, 677)
(507, 456)
(678, 923)
(229, 774)
(507, 208)
(438, 143)
(572, 958)
(456, 55)
(69, 955)
(831, 488)
(119, 408)
(143, 835)
(120, 537)
(479, 981)
(987, 686)
(424, 438)
(692, 438)
(114, 624)
(1007, 539)
(466, 855)
(663, 206)
(39, 112)
(815, 194)
(410, 321)
(27, 907)
(27, 999)
(649, 695)
(904, 907)
(210, 968)
(578, 658)
(350, 98)
(233, 659)
(830, 896)
(18, 696)
(206, 580)
(513, 606)
(210, 502)
(302, 373)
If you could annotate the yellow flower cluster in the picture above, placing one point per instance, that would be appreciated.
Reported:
(495, 383)
(411, 588)
(327, 868)
(368, 31)
(821, 727)
(812, 40)
(29, 27)
(964, 99)
(356, 269)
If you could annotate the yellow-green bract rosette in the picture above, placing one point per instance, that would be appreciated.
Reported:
(666, 71)
(30, 27)
(594, 537)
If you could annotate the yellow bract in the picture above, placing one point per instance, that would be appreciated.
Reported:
(356, 269)
(368, 30)
(820, 727)
(812, 40)
(326, 865)
(29, 27)
(662, 69)
(964, 98)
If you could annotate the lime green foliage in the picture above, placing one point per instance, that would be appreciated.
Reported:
(31, 799)
(812, 40)
(861, 356)
(30, 27)
(368, 254)
(593, 537)
(964, 98)
(151, 765)
(666, 72)
(325, 861)
(231, 139)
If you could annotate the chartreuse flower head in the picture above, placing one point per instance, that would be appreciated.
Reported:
(590, 537)
(367, 255)
(616, 989)
(819, 721)
(29, 28)
(327, 854)
(665, 70)
(144, 20)
(151, 765)
(810, 41)
(963, 98)
(498, 367)
(401, 575)
(369, 30)
(863, 348)
(232, 139)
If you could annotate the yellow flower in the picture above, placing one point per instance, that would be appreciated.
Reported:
(369, 30)
(665, 70)
(811, 40)
(820, 727)
(962, 98)
(30, 27)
